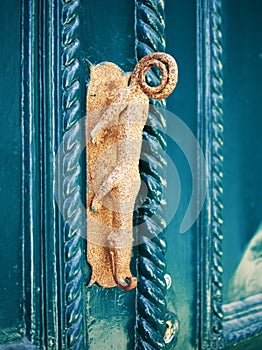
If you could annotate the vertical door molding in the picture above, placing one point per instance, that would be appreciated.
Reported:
(73, 177)
(210, 133)
(152, 313)
(31, 174)
(52, 103)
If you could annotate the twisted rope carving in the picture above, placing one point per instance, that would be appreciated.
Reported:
(71, 191)
(152, 314)
(217, 163)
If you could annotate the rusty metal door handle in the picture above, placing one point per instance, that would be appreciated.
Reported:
(117, 110)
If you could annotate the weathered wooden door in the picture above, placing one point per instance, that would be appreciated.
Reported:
(200, 289)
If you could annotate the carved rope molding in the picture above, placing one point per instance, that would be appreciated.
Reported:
(217, 164)
(210, 114)
(242, 319)
(152, 313)
(74, 228)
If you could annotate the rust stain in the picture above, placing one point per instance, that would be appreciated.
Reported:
(116, 115)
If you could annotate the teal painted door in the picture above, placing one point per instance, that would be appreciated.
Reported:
(197, 290)
(11, 282)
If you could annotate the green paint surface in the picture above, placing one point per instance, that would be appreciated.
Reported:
(10, 171)
(106, 33)
(243, 126)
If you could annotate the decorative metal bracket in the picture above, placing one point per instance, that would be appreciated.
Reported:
(117, 110)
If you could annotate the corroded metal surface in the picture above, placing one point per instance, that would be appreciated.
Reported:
(117, 113)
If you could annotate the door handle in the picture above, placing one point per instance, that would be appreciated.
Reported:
(117, 110)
